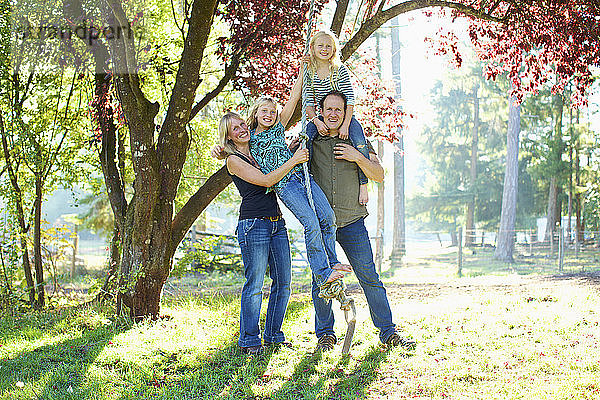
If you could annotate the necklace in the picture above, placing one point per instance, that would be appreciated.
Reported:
(249, 158)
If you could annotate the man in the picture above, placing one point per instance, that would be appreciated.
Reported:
(334, 165)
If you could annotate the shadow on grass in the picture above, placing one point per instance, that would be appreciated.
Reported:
(354, 384)
(226, 373)
(300, 385)
(307, 383)
(53, 371)
(32, 325)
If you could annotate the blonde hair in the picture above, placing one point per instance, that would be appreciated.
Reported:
(334, 61)
(224, 125)
(252, 121)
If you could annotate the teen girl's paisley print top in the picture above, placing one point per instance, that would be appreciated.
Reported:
(270, 151)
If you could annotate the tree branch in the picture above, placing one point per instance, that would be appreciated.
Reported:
(139, 111)
(102, 82)
(56, 150)
(14, 180)
(494, 6)
(188, 74)
(26, 88)
(173, 139)
(112, 176)
(338, 17)
(230, 71)
(184, 219)
(373, 23)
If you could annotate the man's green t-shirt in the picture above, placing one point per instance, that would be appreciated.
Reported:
(338, 179)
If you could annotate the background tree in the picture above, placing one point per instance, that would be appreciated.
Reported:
(448, 147)
(399, 227)
(555, 167)
(505, 242)
(41, 135)
(470, 219)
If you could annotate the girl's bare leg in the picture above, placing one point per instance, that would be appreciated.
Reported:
(342, 267)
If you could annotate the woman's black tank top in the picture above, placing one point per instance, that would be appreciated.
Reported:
(256, 203)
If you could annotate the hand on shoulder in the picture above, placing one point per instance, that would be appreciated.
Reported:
(218, 152)
(344, 151)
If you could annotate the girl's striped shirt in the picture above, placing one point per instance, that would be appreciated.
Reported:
(314, 89)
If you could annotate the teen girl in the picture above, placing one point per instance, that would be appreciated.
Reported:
(268, 148)
(324, 74)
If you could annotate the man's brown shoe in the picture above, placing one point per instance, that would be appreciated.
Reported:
(326, 342)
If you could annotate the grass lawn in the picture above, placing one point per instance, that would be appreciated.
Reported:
(481, 337)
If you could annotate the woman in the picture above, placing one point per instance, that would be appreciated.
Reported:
(261, 232)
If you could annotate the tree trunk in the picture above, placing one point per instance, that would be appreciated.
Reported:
(551, 219)
(470, 223)
(7, 281)
(75, 251)
(505, 242)
(144, 299)
(555, 156)
(147, 254)
(578, 205)
(18, 201)
(399, 234)
(37, 244)
(23, 229)
(110, 283)
(453, 238)
(379, 247)
(380, 215)
(570, 194)
(27, 268)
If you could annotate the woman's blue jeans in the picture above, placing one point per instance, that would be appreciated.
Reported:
(264, 242)
(319, 228)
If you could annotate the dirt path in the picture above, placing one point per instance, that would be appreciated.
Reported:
(424, 289)
(505, 285)
(527, 287)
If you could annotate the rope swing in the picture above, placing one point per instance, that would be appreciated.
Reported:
(303, 136)
(337, 288)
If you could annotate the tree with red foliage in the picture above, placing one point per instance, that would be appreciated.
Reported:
(267, 63)
(378, 110)
(522, 37)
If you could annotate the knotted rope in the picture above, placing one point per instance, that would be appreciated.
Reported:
(303, 136)
(337, 290)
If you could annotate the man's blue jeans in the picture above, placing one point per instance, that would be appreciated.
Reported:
(264, 242)
(319, 228)
(354, 239)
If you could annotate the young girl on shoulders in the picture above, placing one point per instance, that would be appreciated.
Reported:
(324, 74)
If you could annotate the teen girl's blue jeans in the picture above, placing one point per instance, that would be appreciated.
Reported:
(264, 242)
(356, 136)
(354, 239)
(319, 227)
